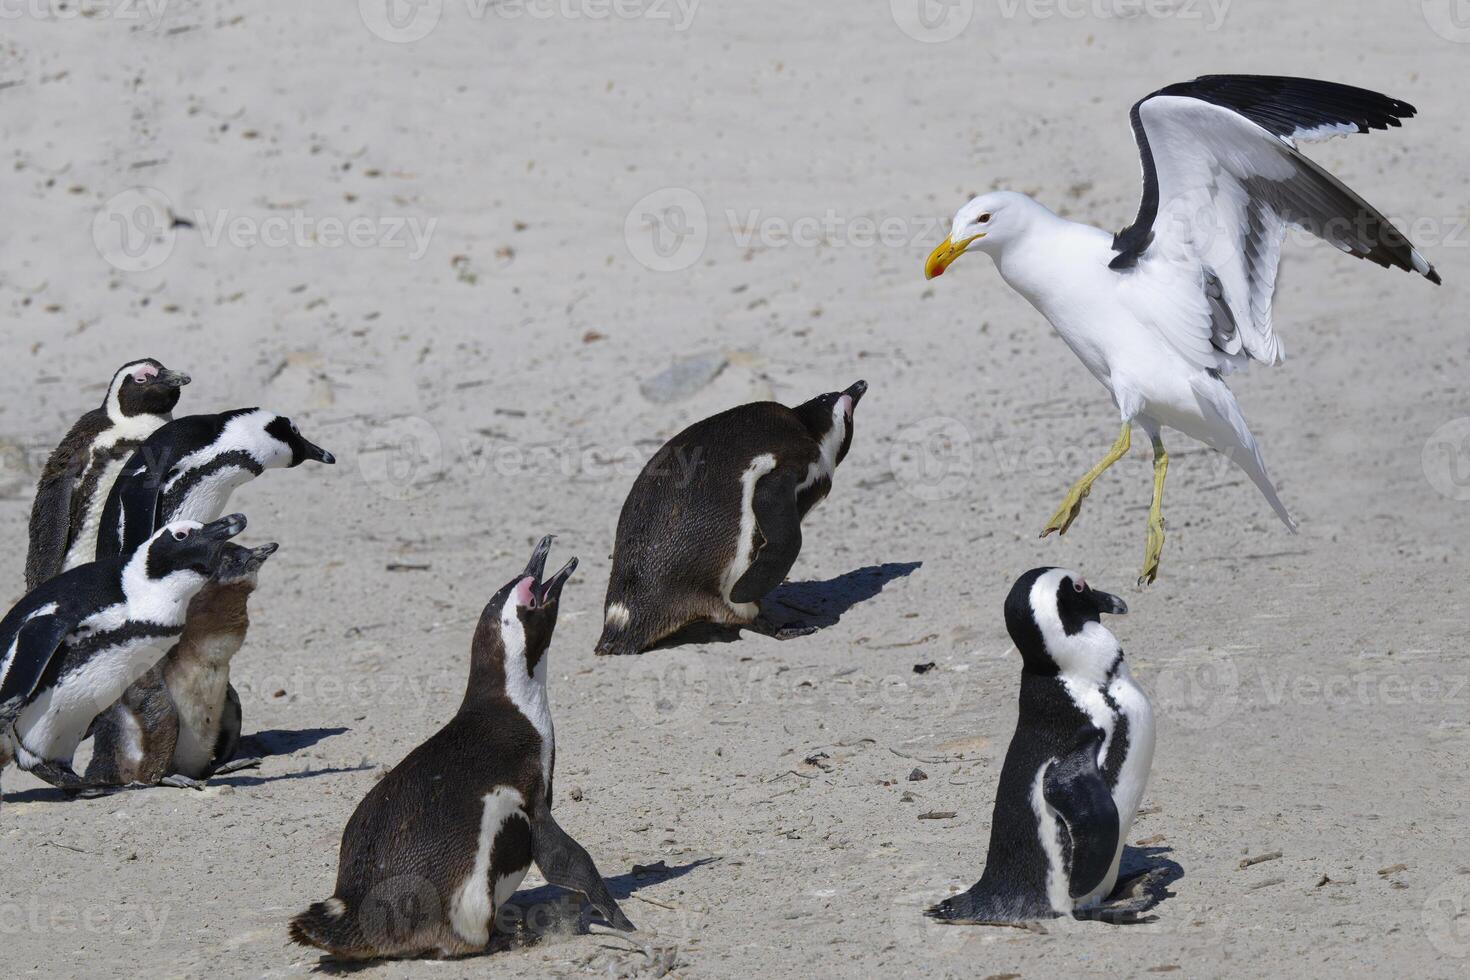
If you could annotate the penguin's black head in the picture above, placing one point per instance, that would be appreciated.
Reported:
(188, 546)
(829, 418)
(239, 564)
(525, 611)
(1054, 618)
(297, 450)
(144, 387)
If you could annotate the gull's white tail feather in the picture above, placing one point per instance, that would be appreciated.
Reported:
(1227, 432)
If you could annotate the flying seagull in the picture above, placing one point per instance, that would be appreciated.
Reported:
(1161, 311)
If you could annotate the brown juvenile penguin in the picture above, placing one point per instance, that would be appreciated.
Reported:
(180, 722)
(80, 472)
(443, 840)
(713, 522)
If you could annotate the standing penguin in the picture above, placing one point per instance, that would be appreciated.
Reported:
(189, 467)
(443, 840)
(72, 646)
(1077, 764)
(180, 722)
(80, 472)
(713, 522)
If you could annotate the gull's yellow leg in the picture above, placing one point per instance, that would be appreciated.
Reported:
(1072, 502)
(1155, 546)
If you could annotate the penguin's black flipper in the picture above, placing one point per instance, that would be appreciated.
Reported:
(133, 505)
(51, 517)
(1074, 787)
(562, 861)
(778, 518)
(36, 645)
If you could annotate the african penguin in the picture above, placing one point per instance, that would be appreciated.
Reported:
(1077, 763)
(713, 522)
(71, 647)
(445, 838)
(80, 472)
(180, 722)
(189, 467)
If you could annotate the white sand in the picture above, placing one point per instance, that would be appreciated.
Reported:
(1312, 690)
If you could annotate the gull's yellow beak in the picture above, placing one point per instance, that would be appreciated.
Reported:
(947, 252)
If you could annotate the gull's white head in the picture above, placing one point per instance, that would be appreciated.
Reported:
(988, 223)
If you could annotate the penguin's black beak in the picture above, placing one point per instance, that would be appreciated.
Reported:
(1106, 602)
(537, 565)
(856, 392)
(259, 555)
(171, 379)
(223, 529)
(551, 591)
(310, 450)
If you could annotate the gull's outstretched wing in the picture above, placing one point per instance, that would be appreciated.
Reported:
(1223, 180)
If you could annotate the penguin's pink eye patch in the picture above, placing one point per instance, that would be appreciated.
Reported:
(144, 373)
(524, 594)
(1079, 585)
(845, 403)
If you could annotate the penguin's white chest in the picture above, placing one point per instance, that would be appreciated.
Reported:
(205, 501)
(52, 726)
(745, 536)
(83, 546)
(474, 903)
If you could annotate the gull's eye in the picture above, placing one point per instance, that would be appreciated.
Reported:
(983, 218)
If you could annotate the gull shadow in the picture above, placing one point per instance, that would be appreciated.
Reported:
(536, 913)
(282, 741)
(798, 608)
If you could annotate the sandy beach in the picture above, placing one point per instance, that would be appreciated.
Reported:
(459, 241)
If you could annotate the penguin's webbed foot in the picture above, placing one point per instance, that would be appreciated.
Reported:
(1130, 900)
(60, 775)
(781, 631)
(179, 781)
(235, 765)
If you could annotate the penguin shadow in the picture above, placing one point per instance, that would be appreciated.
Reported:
(280, 742)
(798, 608)
(1144, 877)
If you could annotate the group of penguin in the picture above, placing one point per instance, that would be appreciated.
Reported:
(137, 602)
